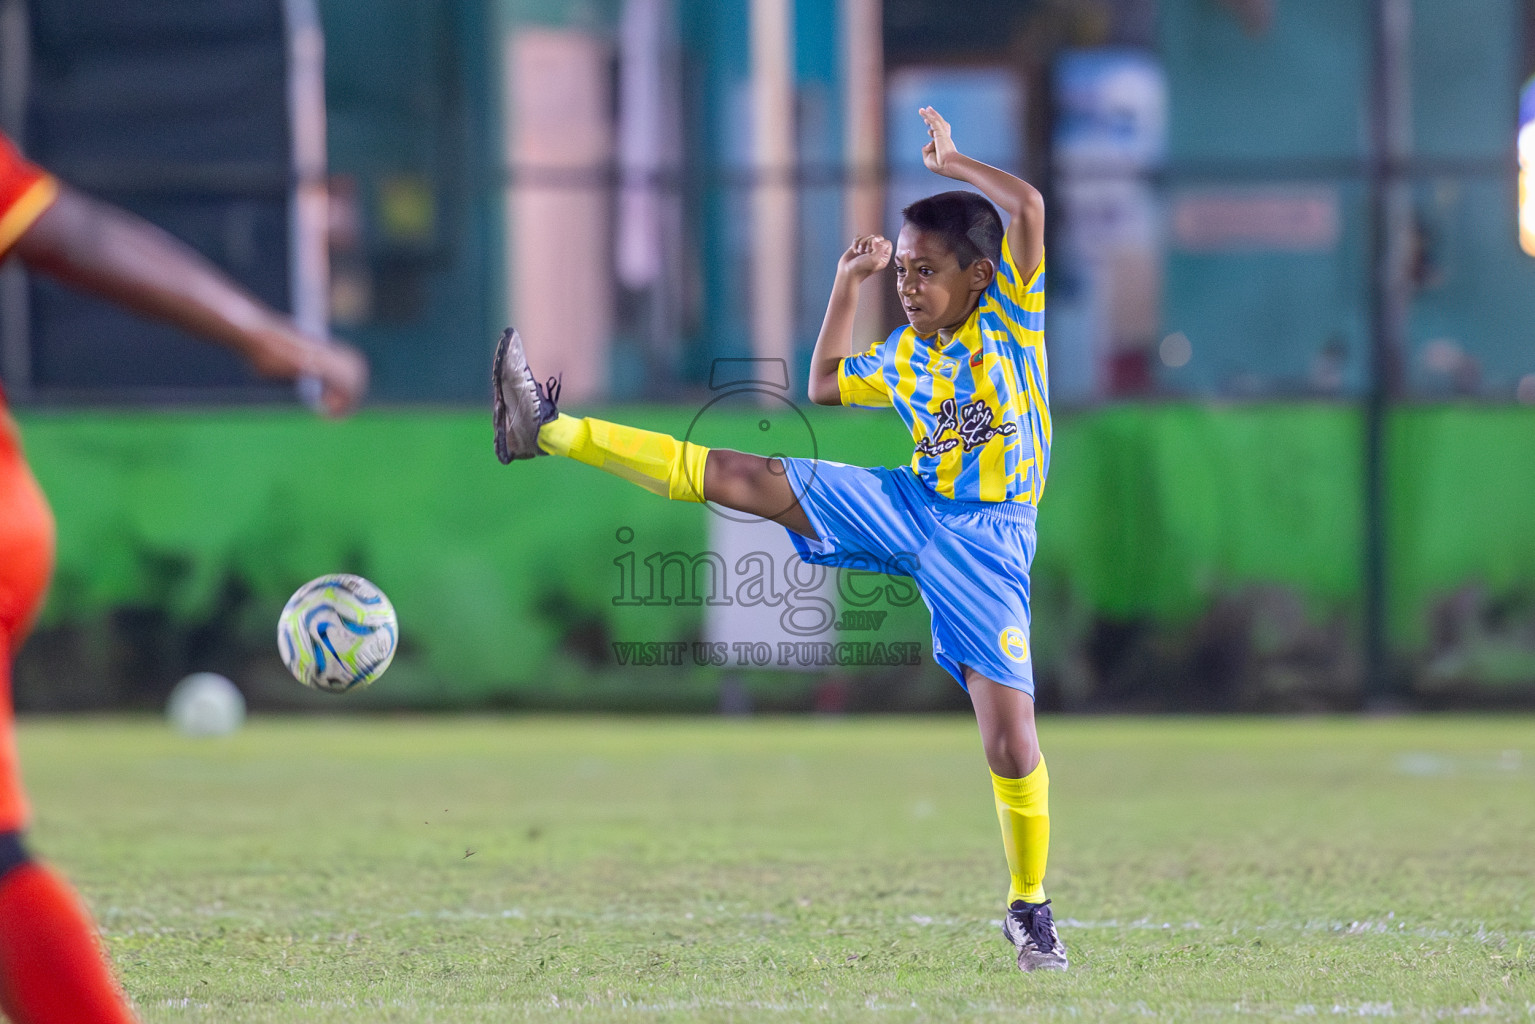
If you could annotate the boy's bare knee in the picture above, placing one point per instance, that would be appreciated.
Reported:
(735, 466)
(1009, 758)
(1012, 751)
(736, 475)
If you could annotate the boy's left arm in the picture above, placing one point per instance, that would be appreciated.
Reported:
(1024, 206)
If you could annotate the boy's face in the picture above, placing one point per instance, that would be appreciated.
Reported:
(935, 292)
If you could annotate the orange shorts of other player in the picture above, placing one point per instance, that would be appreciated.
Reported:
(26, 560)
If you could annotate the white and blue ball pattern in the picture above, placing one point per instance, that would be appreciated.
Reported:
(337, 633)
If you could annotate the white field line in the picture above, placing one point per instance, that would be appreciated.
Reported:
(553, 1006)
(117, 921)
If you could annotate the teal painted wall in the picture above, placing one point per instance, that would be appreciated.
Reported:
(1288, 107)
(411, 94)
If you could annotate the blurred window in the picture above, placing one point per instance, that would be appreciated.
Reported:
(178, 112)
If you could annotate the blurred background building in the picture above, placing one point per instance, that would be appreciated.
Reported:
(646, 185)
(1247, 263)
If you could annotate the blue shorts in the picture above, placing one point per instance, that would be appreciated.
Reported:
(970, 559)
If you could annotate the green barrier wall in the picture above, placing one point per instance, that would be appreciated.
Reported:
(1157, 522)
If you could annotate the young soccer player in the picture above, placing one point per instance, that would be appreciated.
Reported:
(967, 375)
(51, 966)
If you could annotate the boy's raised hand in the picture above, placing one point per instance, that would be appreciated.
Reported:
(938, 153)
(869, 254)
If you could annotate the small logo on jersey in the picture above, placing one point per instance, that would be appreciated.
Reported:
(978, 359)
(947, 368)
(1014, 644)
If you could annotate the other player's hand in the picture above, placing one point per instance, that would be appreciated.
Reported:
(938, 154)
(331, 375)
(342, 373)
(869, 254)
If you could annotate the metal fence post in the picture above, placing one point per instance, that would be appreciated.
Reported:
(1391, 229)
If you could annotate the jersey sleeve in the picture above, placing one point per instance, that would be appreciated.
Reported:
(1021, 299)
(26, 190)
(861, 379)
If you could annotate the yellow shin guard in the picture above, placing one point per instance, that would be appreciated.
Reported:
(1023, 808)
(657, 462)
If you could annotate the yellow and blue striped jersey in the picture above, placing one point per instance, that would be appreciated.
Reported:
(978, 408)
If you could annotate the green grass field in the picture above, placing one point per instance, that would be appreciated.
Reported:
(624, 870)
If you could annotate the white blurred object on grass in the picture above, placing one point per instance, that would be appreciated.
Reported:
(206, 704)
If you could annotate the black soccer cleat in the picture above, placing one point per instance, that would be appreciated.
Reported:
(519, 404)
(1031, 930)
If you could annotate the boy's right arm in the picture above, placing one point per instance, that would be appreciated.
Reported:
(868, 255)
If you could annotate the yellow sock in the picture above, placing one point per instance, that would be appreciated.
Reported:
(657, 462)
(1023, 808)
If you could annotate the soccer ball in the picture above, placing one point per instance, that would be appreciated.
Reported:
(337, 633)
(205, 704)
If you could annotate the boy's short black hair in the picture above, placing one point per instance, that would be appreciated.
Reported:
(967, 222)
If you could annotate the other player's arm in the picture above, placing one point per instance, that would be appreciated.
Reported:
(99, 248)
(1024, 206)
(868, 255)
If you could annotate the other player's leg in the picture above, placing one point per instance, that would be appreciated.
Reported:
(528, 424)
(1021, 786)
(52, 969)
